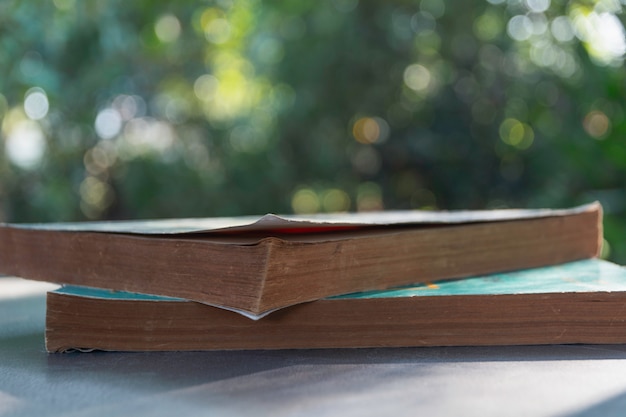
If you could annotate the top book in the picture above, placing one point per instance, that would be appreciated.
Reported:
(257, 265)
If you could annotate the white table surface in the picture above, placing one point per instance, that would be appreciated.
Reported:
(570, 381)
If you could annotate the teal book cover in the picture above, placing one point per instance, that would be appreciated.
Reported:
(589, 275)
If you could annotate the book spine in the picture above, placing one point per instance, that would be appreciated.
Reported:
(298, 271)
(195, 269)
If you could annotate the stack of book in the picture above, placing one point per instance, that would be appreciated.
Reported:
(408, 278)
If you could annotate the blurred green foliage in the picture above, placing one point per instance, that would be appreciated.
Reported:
(115, 109)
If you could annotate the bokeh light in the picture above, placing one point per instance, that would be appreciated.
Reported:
(520, 27)
(370, 130)
(335, 200)
(603, 34)
(597, 124)
(538, 6)
(216, 28)
(562, 29)
(108, 123)
(369, 197)
(517, 134)
(25, 142)
(36, 104)
(417, 77)
(305, 201)
(167, 28)
(146, 135)
(96, 195)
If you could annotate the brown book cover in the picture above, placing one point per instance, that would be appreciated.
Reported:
(255, 266)
(576, 302)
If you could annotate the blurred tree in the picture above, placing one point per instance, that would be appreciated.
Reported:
(133, 109)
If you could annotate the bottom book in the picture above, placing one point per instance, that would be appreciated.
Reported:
(577, 302)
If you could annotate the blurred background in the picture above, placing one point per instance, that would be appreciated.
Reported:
(139, 109)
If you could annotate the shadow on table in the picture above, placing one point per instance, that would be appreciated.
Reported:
(290, 381)
(614, 406)
(190, 368)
